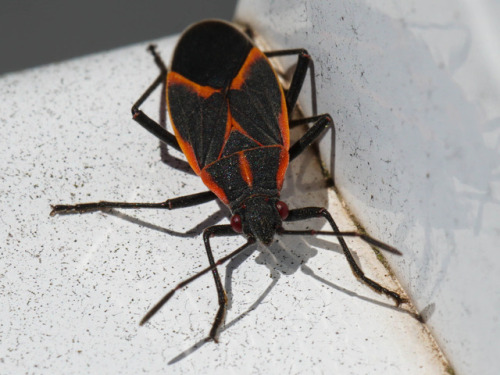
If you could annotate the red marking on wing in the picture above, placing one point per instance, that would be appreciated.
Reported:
(216, 189)
(283, 165)
(229, 129)
(236, 126)
(188, 151)
(283, 122)
(254, 55)
(245, 170)
(205, 92)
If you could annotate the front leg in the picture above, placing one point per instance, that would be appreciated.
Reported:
(217, 230)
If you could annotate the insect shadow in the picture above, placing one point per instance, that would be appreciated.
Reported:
(195, 231)
(283, 257)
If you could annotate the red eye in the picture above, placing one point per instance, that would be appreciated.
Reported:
(282, 209)
(236, 223)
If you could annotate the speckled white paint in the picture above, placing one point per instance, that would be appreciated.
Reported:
(414, 89)
(73, 288)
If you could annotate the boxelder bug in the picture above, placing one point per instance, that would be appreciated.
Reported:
(230, 117)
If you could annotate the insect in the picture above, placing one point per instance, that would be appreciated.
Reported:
(231, 119)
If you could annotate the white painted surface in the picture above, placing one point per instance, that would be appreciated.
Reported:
(73, 288)
(414, 88)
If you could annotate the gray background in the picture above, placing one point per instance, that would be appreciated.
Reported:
(39, 32)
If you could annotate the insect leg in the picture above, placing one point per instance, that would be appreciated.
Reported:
(312, 212)
(169, 204)
(303, 63)
(144, 120)
(322, 123)
(182, 284)
(217, 230)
